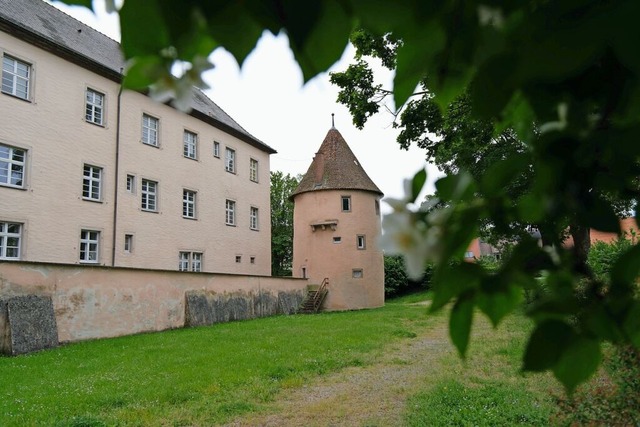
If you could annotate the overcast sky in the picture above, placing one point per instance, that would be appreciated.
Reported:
(267, 97)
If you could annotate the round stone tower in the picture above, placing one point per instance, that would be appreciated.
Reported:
(336, 227)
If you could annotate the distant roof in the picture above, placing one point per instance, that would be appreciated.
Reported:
(335, 167)
(49, 28)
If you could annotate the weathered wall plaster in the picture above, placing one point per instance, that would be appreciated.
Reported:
(98, 302)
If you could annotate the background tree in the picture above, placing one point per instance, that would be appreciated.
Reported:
(282, 186)
(453, 138)
(572, 67)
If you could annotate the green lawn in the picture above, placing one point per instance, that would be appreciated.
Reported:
(209, 375)
(487, 389)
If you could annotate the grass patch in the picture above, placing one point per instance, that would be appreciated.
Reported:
(412, 298)
(196, 376)
(486, 389)
(488, 404)
(210, 375)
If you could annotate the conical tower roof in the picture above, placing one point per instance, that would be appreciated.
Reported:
(335, 167)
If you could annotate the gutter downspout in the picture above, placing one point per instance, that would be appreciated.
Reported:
(117, 178)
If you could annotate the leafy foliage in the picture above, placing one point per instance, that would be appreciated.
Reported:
(282, 186)
(396, 281)
(571, 67)
(603, 255)
(613, 399)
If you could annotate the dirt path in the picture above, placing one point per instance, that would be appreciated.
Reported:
(373, 395)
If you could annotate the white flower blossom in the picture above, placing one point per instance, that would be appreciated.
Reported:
(410, 234)
(399, 205)
(404, 236)
(180, 89)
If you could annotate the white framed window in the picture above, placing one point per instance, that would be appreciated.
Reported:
(469, 254)
(190, 140)
(94, 107)
(346, 203)
(89, 246)
(131, 184)
(190, 261)
(253, 218)
(128, 243)
(361, 241)
(10, 238)
(230, 160)
(253, 170)
(238, 259)
(16, 76)
(188, 204)
(357, 273)
(230, 212)
(92, 183)
(12, 166)
(252, 260)
(216, 149)
(149, 193)
(150, 127)
(337, 239)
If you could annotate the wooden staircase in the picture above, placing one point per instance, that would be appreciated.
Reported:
(315, 297)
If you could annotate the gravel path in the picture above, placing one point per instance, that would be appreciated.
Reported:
(373, 395)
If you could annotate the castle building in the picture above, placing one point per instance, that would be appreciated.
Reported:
(336, 228)
(91, 173)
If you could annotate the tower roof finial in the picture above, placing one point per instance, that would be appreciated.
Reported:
(333, 124)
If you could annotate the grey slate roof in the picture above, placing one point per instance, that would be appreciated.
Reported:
(335, 167)
(49, 28)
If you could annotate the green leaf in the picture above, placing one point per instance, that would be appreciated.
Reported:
(601, 216)
(577, 50)
(493, 182)
(318, 31)
(546, 345)
(234, 26)
(144, 71)
(142, 37)
(85, 3)
(626, 268)
(456, 187)
(528, 257)
(578, 362)
(530, 208)
(631, 325)
(519, 116)
(417, 183)
(497, 304)
(598, 321)
(453, 280)
(460, 323)
(492, 87)
(422, 43)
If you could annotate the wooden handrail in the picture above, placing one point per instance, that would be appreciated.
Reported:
(320, 294)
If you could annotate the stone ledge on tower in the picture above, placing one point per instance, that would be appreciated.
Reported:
(331, 223)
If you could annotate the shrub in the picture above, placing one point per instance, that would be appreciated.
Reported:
(614, 398)
(396, 281)
(603, 255)
(489, 262)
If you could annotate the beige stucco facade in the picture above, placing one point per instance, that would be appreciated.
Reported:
(327, 245)
(50, 126)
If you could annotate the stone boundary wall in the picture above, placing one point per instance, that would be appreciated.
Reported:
(98, 302)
